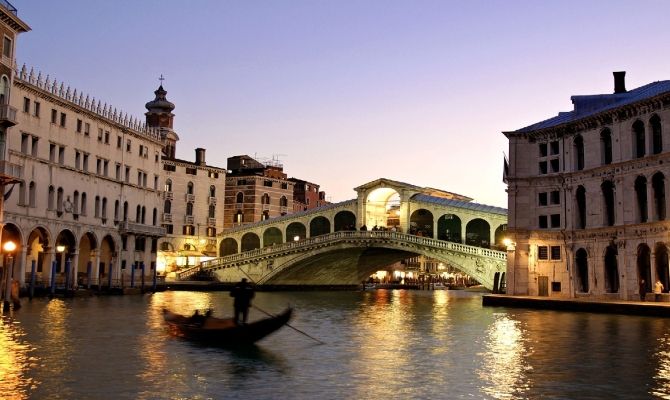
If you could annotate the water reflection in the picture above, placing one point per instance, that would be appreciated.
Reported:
(15, 360)
(503, 365)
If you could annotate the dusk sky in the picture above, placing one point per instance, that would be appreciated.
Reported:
(345, 92)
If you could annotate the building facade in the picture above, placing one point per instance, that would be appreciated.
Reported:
(306, 195)
(255, 191)
(587, 197)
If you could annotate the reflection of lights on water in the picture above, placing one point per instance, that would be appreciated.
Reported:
(503, 360)
(662, 377)
(15, 361)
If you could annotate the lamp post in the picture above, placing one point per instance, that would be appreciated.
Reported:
(9, 247)
(60, 249)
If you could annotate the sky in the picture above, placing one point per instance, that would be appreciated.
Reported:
(345, 92)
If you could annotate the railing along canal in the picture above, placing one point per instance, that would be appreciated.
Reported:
(343, 235)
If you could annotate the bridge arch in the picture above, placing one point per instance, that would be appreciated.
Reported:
(449, 228)
(319, 226)
(499, 236)
(344, 221)
(272, 236)
(421, 223)
(250, 241)
(382, 208)
(228, 246)
(478, 233)
(295, 230)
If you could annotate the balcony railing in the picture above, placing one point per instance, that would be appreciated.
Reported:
(10, 172)
(189, 219)
(212, 201)
(167, 217)
(168, 195)
(211, 221)
(141, 229)
(7, 115)
(190, 197)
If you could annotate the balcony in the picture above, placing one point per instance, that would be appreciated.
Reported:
(167, 217)
(266, 207)
(190, 198)
(189, 219)
(168, 195)
(211, 221)
(10, 173)
(212, 201)
(7, 115)
(141, 229)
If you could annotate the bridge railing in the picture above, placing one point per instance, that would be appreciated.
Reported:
(337, 236)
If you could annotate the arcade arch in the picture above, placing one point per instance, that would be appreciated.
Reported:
(382, 208)
(272, 236)
(227, 247)
(295, 231)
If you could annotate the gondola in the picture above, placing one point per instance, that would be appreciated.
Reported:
(223, 331)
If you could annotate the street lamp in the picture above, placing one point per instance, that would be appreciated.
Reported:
(60, 249)
(9, 247)
(296, 238)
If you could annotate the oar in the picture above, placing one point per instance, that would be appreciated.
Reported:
(290, 326)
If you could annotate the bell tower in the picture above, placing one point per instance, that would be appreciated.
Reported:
(159, 116)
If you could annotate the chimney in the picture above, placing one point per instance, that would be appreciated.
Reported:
(200, 156)
(619, 82)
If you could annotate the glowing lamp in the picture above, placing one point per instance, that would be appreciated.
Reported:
(9, 246)
(60, 248)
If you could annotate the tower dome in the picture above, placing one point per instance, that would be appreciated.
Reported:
(159, 114)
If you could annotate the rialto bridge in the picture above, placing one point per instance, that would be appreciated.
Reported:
(344, 243)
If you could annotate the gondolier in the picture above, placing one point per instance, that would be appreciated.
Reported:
(243, 293)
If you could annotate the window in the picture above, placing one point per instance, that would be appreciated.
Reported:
(638, 139)
(607, 188)
(267, 183)
(98, 166)
(542, 222)
(189, 209)
(85, 164)
(212, 211)
(606, 146)
(189, 230)
(26, 105)
(167, 207)
(75, 205)
(106, 137)
(239, 198)
(31, 195)
(77, 160)
(658, 184)
(128, 145)
(51, 199)
(100, 134)
(7, 47)
(61, 155)
(549, 163)
(656, 134)
(543, 167)
(169, 229)
(641, 195)
(555, 197)
(212, 191)
(25, 138)
(83, 204)
(191, 171)
(168, 185)
(155, 182)
(127, 174)
(62, 119)
(59, 199)
(542, 253)
(36, 108)
(189, 188)
(96, 207)
(212, 174)
(555, 252)
(33, 149)
(87, 129)
(211, 232)
(118, 142)
(54, 116)
(241, 182)
(79, 125)
(118, 172)
(553, 148)
(542, 200)
(283, 202)
(139, 178)
(284, 185)
(168, 167)
(116, 210)
(581, 207)
(105, 168)
(52, 152)
(543, 150)
(579, 153)
(555, 220)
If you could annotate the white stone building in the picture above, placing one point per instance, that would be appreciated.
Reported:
(587, 197)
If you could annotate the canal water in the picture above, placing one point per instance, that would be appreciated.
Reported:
(393, 344)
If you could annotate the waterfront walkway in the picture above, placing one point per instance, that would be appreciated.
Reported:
(648, 308)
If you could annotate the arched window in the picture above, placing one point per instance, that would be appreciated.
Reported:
(104, 208)
(22, 193)
(611, 270)
(189, 209)
(582, 271)
(638, 139)
(168, 185)
(606, 146)
(658, 184)
(167, 207)
(581, 207)
(59, 199)
(240, 198)
(641, 196)
(32, 196)
(212, 191)
(212, 211)
(125, 211)
(608, 202)
(283, 201)
(116, 210)
(154, 217)
(75, 206)
(265, 199)
(579, 153)
(96, 207)
(51, 199)
(4, 90)
(83, 203)
(138, 214)
(144, 214)
(656, 134)
(189, 188)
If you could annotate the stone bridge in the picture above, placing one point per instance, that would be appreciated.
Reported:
(347, 258)
(327, 246)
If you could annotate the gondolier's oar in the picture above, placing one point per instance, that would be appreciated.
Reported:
(267, 313)
(289, 325)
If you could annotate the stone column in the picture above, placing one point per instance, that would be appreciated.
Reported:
(95, 268)
(49, 258)
(74, 269)
(21, 267)
(651, 209)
